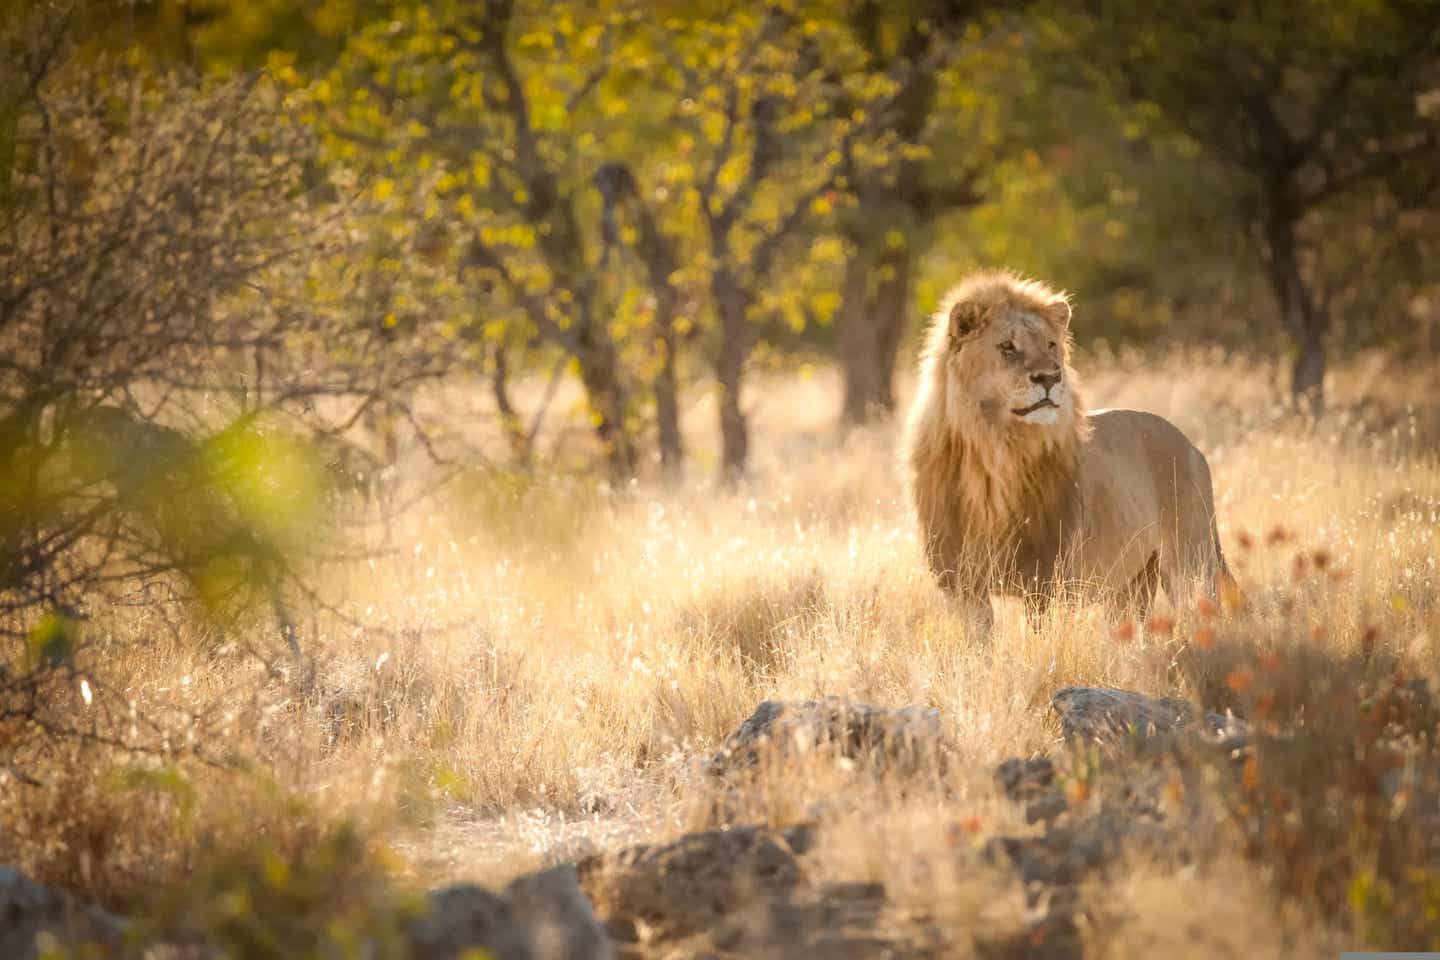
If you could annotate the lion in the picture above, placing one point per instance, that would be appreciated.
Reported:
(1019, 490)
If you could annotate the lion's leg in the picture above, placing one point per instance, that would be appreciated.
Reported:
(1136, 597)
(1191, 566)
(1191, 561)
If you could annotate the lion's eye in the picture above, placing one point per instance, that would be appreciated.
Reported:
(1007, 347)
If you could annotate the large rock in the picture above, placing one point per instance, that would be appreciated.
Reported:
(561, 922)
(465, 918)
(1105, 714)
(541, 916)
(741, 893)
(28, 909)
(670, 891)
(1109, 716)
(905, 739)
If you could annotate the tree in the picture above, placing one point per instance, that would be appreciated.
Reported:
(159, 242)
(895, 201)
(657, 252)
(1306, 104)
(485, 127)
(761, 141)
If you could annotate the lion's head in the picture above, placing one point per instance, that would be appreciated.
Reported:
(1002, 344)
(997, 422)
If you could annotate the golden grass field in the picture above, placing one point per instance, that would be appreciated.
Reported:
(525, 670)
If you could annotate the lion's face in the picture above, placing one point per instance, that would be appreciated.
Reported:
(1007, 364)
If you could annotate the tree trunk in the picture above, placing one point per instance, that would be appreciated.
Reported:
(667, 404)
(515, 432)
(1435, 329)
(857, 341)
(619, 190)
(1307, 382)
(599, 374)
(874, 306)
(731, 303)
(891, 314)
(1305, 320)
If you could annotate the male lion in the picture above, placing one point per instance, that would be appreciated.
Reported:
(1020, 490)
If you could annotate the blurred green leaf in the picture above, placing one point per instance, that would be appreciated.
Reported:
(167, 780)
(52, 642)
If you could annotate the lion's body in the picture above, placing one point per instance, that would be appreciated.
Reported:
(1146, 507)
(1019, 490)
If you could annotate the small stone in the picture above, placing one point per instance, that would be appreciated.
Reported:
(1024, 778)
(1046, 807)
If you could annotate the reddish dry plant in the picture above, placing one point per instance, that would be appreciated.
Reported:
(1368, 638)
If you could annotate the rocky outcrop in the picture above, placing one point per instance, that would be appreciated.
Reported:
(740, 893)
(673, 890)
(891, 739)
(562, 924)
(467, 918)
(1110, 716)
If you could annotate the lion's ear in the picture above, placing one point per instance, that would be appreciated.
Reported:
(1059, 312)
(966, 316)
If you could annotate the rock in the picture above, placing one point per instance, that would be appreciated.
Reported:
(740, 893)
(1023, 779)
(907, 738)
(1105, 714)
(1031, 782)
(1225, 731)
(670, 891)
(1055, 936)
(28, 909)
(465, 917)
(542, 915)
(1046, 807)
(561, 922)
(1059, 857)
(1108, 715)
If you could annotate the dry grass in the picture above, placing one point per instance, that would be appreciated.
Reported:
(541, 663)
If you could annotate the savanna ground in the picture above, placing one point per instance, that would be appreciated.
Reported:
(519, 671)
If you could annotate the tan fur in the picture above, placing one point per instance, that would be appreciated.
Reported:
(1021, 501)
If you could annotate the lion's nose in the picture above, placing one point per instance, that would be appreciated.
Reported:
(1046, 380)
